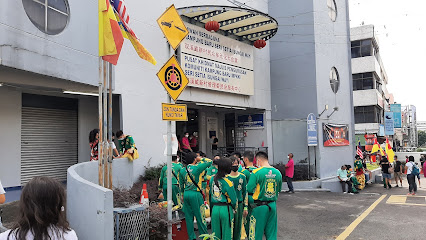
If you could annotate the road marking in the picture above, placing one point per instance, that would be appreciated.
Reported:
(402, 200)
(357, 221)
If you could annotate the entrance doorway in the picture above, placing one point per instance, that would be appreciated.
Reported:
(191, 127)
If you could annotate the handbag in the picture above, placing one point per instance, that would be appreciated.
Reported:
(391, 170)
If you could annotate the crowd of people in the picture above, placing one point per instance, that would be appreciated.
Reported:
(126, 146)
(238, 196)
(356, 179)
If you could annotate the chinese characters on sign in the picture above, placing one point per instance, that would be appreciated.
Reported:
(215, 62)
(250, 121)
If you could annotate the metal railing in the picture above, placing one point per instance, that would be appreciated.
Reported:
(131, 223)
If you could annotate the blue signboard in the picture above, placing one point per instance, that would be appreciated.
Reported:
(389, 129)
(381, 132)
(312, 128)
(397, 118)
(250, 121)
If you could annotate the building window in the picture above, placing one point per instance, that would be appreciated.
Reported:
(368, 114)
(332, 9)
(363, 81)
(49, 16)
(334, 80)
(364, 48)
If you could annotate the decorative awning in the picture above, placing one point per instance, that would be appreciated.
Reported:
(245, 25)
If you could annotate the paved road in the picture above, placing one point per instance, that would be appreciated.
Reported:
(322, 215)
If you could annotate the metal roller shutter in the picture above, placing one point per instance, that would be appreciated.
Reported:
(49, 142)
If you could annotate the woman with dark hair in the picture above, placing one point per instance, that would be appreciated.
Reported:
(41, 213)
(223, 200)
(94, 144)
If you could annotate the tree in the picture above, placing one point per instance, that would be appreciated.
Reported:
(422, 138)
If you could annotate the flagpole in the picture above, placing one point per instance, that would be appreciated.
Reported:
(100, 88)
(110, 150)
(105, 128)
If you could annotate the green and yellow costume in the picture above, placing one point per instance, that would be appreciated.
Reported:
(162, 184)
(264, 185)
(247, 172)
(193, 202)
(240, 186)
(224, 201)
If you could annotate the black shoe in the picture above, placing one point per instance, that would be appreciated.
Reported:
(390, 186)
(397, 185)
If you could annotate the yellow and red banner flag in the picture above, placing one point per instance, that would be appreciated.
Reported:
(123, 18)
(389, 151)
(110, 36)
(377, 147)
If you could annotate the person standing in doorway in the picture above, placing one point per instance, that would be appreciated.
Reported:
(94, 144)
(397, 166)
(289, 173)
(194, 142)
(215, 143)
(186, 146)
(412, 170)
(264, 185)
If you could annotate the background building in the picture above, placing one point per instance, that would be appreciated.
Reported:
(409, 140)
(371, 97)
(311, 69)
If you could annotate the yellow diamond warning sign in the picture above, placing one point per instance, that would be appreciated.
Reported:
(172, 78)
(172, 26)
(174, 112)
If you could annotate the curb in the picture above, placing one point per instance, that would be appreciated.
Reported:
(309, 190)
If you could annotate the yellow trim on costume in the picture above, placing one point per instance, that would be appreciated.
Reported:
(256, 192)
(229, 182)
(257, 169)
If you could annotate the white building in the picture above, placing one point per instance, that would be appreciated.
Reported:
(311, 73)
(45, 130)
(371, 98)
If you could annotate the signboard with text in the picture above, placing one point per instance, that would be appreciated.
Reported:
(250, 121)
(312, 130)
(397, 117)
(389, 128)
(215, 62)
(174, 112)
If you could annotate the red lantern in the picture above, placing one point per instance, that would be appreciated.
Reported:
(260, 43)
(212, 26)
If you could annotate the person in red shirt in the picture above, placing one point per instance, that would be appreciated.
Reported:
(289, 173)
(194, 142)
(185, 143)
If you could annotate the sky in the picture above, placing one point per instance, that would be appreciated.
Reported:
(400, 26)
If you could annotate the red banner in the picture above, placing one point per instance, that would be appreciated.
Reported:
(335, 135)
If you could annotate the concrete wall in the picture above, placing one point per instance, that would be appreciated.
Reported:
(293, 76)
(89, 206)
(308, 44)
(70, 55)
(142, 93)
(368, 97)
(10, 137)
(332, 49)
(87, 121)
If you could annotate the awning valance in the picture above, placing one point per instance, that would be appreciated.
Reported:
(246, 25)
